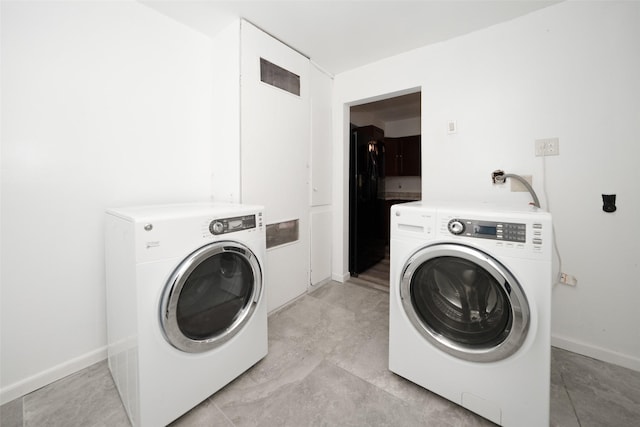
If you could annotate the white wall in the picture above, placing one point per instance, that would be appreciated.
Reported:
(103, 104)
(567, 71)
(225, 174)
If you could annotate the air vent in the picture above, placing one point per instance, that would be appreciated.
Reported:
(279, 77)
(281, 233)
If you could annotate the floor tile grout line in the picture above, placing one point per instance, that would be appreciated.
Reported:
(222, 412)
(573, 407)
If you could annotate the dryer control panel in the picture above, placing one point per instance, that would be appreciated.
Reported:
(506, 231)
(229, 225)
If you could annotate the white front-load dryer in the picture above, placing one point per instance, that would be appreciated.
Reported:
(470, 306)
(186, 305)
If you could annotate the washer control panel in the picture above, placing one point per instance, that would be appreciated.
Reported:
(229, 225)
(506, 231)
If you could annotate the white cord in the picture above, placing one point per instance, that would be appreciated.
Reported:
(553, 227)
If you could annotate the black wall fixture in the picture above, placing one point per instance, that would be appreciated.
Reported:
(609, 202)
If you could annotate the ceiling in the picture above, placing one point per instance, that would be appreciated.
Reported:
(341, 35)
(392, 109)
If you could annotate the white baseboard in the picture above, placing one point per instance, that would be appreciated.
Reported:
(319, 284)
(340, 277)
(27, 385)
(595, 352)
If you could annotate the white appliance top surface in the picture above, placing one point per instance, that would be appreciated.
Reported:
(501, 208)
(184, 210)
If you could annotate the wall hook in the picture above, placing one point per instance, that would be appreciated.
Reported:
(609, 202)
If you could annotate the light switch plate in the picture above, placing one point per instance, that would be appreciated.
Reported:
(547, 147)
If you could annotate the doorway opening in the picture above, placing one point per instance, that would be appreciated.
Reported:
(384, 169)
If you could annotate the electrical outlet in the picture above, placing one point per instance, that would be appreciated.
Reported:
(547, 147)
(568, 279)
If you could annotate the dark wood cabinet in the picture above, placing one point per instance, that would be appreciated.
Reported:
(411, 156)
(403, 156)
(391, 157)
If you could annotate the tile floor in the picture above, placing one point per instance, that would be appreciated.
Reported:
(327, 366)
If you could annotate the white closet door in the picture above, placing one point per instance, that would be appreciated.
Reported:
(275, 144)
(321, 133)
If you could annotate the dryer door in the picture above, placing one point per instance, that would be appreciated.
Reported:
(464, 302)
(210, 296)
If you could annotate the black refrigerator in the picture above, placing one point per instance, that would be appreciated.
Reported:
(367, 234)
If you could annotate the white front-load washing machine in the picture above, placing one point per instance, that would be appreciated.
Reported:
(470, 306)
(186, 305)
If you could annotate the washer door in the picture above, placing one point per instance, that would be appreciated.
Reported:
(210, 296)
(464, 302)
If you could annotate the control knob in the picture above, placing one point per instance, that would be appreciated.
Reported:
(456, 226)
(216, 227)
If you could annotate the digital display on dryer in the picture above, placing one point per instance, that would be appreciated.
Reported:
(485, 230)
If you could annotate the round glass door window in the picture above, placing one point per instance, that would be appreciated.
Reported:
(210, 296)
(465, 302)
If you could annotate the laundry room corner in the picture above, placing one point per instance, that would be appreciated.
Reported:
(104, 104)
